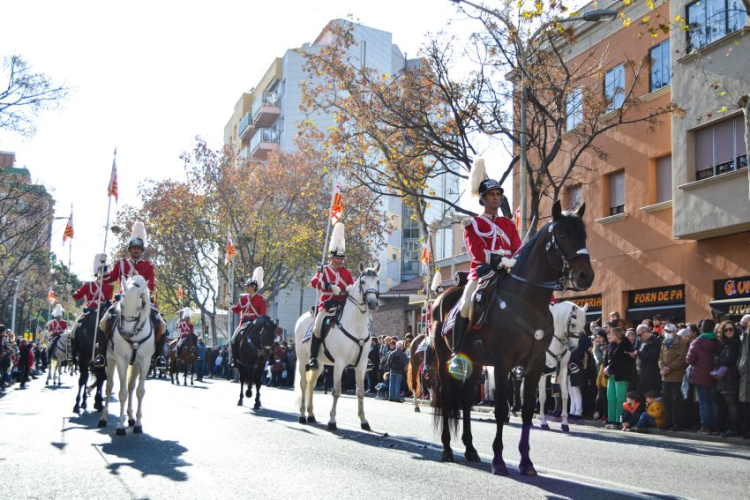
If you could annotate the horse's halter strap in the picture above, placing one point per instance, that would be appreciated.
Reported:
(362, 308)
(127, 336)
(561, 284)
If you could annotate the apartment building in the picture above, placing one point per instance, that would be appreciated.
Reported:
(267, 118)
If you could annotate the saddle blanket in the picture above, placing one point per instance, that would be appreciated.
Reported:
(308, 333)
(450, 320)
(423, 345)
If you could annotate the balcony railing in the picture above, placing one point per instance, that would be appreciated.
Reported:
(246, 125)
(262, 142)
(266, 109)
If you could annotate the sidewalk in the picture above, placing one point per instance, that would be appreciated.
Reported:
(691, 435)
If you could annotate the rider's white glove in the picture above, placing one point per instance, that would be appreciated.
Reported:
(507, 263)
(335, 289)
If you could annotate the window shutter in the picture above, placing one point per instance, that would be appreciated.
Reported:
(739, 135)
(704, 148)
(617, 189)
(664, 179)
(724, 141)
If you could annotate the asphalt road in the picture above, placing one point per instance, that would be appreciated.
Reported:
(198, 443)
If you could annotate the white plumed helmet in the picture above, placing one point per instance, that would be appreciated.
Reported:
(57, 312)
(138, 236)
(337, 247)
(100, 261)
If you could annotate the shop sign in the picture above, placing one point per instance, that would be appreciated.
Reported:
(657, 296)
(739, 309)
(594, 302)
(732, 288)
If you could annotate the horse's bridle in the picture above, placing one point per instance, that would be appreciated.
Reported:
(566, 273)
(131, 319)
(362, 306)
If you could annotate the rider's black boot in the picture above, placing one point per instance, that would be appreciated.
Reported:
(314, 348)
(459, 332)
(99, 361)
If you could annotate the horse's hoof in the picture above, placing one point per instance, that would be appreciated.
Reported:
(256, 406)
(131, 422)
(527, 470)
(302, 420)
(499, 468)
(565, 428)
(311, 420)
(83, 406)
(417, 410)
(544, 427)
(239, 403)
(46, 382)
(472, 456)
(102, 423)
(138, 429)
(248, 393)
(365, 427)
(120, 431)
(76, 409)
(447, 456)
(332, 426)
(191, 383)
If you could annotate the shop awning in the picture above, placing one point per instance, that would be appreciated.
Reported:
(675, 312)
(731, 307)
(593, 315)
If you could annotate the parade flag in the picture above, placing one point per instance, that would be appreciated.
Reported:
(112, 187)
(230, 253)
(51, 295)
(517, 219)
(426, 254)
(337, 208)
(68, 233)
(180, 294)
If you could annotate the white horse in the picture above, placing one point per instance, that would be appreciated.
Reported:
(56, 358)
(347, 343)
(569, 320)
(130, 351)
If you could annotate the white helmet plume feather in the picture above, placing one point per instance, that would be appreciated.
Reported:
(100, 260)
(139, 231)
(58, 311)
(258, 275)
(477, 175)
(186, 313)
(338, 244)
(437, 280)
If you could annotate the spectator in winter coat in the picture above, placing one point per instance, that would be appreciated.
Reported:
(373, 365)
(618, 368)
(632, 409)
(646, 354)
(600, 349)
(729, 386)
(672, 365)
(701, 356)
(577, 378)
(25, 362)
(743, 366)
(397, 362)
(654, 414)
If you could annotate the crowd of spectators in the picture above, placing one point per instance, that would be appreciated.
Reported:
(20, 360)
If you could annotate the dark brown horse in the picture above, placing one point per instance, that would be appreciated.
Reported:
(250, 352)
(188, 356)
(515, 336)
(82, 347)
(417, 378)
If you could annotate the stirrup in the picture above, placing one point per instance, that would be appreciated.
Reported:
(99, 361)
(161, 362)
(312, 364)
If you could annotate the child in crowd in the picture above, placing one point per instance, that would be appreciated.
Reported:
(632, 409)
(382, 387)
(654, 414)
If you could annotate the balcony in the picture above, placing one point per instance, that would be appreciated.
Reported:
(247, 129)
(266, 110)
(266, 140)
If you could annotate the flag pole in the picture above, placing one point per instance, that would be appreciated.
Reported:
(101, 275)
(330, 209)
(70, 260)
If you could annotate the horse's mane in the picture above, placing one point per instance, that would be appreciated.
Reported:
(571, 224)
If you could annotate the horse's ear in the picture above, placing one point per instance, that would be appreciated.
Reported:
(585, 307)
(361, 267)
(377, 267)
(556, 210)
(581, 210)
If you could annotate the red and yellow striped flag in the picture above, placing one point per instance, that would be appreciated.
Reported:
(230, 252)
(51, 296)
(112, 187)
(68, 233)
(337, 208)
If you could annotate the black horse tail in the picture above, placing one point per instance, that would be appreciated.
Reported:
(447, 396)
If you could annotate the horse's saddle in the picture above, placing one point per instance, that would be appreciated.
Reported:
(332, 316)
(483, 299)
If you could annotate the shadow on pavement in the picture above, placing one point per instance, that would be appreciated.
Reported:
(145, 453)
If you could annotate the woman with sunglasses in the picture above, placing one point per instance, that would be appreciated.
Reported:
(729, 386)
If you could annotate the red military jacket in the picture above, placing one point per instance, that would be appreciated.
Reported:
(250, 307)
(340, 277)
(93, 295)
(485, 235)
(186, 329)
(57, 327)
(124, 268)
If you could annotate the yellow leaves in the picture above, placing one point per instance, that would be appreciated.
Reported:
(625, 19)
(677, 18)
(650, 4)
(722, 109)
(645, 19)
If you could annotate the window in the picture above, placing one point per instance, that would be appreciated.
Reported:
(574, 109)
(617, 193)
(614, 87)
(660, 75)
(663, 179)
(575, 197)
(710, 20)
(720, 148)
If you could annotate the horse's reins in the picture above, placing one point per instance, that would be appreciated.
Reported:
(362, 308)
(128, 335)
(559, 357)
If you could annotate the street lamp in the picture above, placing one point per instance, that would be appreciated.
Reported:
(593, 16)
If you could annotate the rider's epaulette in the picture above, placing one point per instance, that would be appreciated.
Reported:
(466, 222)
